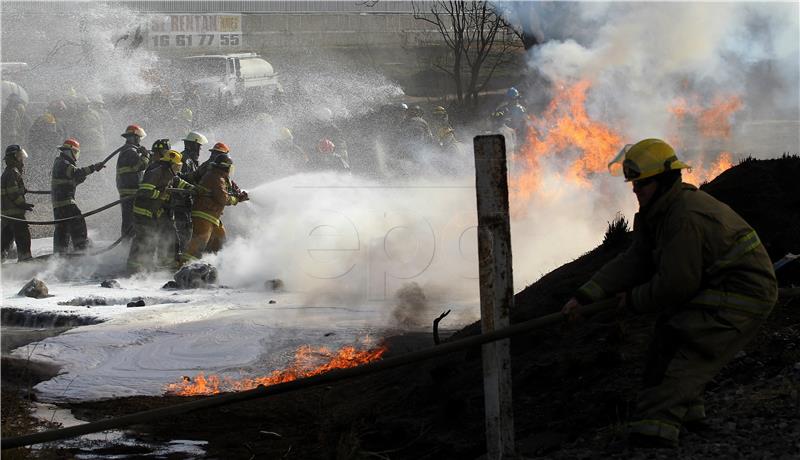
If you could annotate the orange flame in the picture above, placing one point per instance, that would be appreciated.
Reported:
(307, 362)
(564, 129)
(712, 121)
(699, 174)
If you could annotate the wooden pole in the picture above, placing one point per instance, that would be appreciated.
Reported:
(496, 290)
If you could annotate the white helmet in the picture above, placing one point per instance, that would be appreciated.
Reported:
(323, 114)
(196, 137)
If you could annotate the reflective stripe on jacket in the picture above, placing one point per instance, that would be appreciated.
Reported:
(689, 248)
(213, 196)
(151, 196)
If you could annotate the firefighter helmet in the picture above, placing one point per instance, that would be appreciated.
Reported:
(645, 159)
(223, 162)
(187, 114)
(196, 137)
(286, 134)
(172, 156)
(326, 147)
(72, 147)
(512, 93)
(220, 147)
(71, 144)
(16, 152)
(134, 130)
(161, 144)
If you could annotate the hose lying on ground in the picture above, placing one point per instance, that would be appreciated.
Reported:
(67, 219)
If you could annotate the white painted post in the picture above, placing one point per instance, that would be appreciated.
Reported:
(496, 290)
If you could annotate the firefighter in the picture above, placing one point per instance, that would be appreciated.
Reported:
(131, 163)
(295, 157)
(65, 179)
(182, 204)
(15, 119)
(417, 130)
(703, 268)
(14, 205)
(45, 132)
(88, 127)
(220, 148)
(442, 130)
(327, 158)
(214, 193)
(154, 240)
(515, 112)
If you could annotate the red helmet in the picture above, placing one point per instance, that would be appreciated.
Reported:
(220, 147)
(134, 130)
(326, 146)
(71, 144)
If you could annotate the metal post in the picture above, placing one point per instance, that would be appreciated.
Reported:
(496, 290)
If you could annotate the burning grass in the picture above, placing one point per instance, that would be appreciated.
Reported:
(308, 362)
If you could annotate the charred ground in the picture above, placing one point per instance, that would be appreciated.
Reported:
(574, 386)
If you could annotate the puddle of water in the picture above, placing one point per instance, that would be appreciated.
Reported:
(113, 444)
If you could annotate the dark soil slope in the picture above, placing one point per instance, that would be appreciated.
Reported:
(574, 386)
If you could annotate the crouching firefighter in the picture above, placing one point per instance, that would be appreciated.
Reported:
(65, 179)
(703, 269)
(214, 193)
(14, 204)
(131, 163)
(154, 239)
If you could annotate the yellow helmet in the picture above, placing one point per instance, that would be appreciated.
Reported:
(645, 159)
(172, 156)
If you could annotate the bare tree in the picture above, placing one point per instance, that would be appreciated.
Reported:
(478, 37)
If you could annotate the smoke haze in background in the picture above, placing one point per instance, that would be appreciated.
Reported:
(640, 57)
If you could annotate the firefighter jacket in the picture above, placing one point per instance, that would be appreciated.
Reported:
(65, 179)
(12, 188)
(131, 163)
(152, 196)
(689, 248)
(213, 195)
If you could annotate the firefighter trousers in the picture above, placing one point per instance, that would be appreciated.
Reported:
(128, 225)
(206, 237)
(689, 349)
(73, 230)
(183, 226)
(153, 244)
(18, 233)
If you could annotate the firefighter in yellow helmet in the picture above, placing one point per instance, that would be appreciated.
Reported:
(703, 268)
(154, 240)
(214, 193)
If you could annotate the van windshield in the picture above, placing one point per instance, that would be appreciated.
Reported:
(204, 67)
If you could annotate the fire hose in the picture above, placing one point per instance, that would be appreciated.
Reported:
(67, 219)
(294, 385)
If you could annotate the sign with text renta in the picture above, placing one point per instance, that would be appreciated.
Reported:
(195, 31)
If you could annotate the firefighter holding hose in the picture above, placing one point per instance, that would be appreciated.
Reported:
(131, 163)
(14, 203)
(703, 268)
(65, 179)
